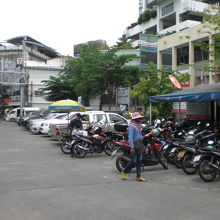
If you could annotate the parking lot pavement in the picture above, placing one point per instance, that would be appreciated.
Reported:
(38, 181)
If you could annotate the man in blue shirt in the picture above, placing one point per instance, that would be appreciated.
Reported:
(134, 134)
(76, 124)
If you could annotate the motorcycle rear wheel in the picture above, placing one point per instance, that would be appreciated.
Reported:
(163, 161)
(187, 165)
(121, 163)
(78, 151)
(65, 147)
(109, 147)
(206, 172)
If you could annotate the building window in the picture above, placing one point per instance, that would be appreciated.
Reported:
(168, 9)
(183, 56)
(38, 93)
(201, 53)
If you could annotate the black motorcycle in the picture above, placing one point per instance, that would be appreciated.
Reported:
(97, 142)
(209, 166)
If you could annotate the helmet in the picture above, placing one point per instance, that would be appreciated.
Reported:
(157, 121)
(190, 139)
(155, 132)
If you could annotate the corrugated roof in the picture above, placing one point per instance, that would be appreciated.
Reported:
(31, 41)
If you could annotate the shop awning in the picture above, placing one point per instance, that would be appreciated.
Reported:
(201, 93)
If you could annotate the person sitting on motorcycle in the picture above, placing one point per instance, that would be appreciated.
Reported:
(134, 133)
(76, 125)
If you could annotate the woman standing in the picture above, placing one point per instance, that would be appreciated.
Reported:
(134, 134)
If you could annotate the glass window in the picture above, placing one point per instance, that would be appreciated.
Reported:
(38, 93)
(116, 119)
(61, 116)
(168, 9)
(100, 118)
(85, 118)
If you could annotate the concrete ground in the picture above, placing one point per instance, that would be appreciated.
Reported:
(39, 182)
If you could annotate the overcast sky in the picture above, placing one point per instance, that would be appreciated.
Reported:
(62, 23)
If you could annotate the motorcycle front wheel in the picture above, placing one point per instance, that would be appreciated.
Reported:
(163, 161)
(206, 171)
(78, 150)
(121, 164)
(187, 165)
(65, 147)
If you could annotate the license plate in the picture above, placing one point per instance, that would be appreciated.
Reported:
(165, 146)
(181, 154)
(196, 158)
(173, 150)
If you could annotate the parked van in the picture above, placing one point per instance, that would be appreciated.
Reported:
(15, 113)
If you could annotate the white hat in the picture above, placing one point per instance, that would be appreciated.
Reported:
(136, 115)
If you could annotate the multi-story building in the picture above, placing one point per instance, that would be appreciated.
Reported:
(158, 18)
(24, 63)
(166, 16)
(189, 57)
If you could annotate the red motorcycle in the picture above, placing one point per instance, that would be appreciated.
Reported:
(96, 142)
(151, 157)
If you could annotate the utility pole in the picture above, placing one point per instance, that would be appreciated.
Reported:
(22, 79)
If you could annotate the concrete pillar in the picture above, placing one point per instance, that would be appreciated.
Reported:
(191, 65)
(211, 59)
(159, 59)
(174, 58)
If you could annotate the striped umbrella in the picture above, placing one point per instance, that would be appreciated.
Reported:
(68, 105)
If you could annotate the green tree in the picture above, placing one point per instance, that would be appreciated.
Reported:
(114, 72)
(58, 88)
(94, 73)
(211, 21)
(155, 82)
(123, 43)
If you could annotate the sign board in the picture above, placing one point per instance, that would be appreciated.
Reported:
(123, 96)
(175, 81)
(79, 100)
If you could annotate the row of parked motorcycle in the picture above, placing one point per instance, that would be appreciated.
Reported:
(192, 147)
(195, 149)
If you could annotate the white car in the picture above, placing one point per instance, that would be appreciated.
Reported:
(36, 124)
(53, 127)
(45, 125)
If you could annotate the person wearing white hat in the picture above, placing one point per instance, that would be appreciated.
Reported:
(134, 134)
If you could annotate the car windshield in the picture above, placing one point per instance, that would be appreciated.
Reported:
(50, 116)
(63, 116)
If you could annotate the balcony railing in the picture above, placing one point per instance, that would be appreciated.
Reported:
(194, 6)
